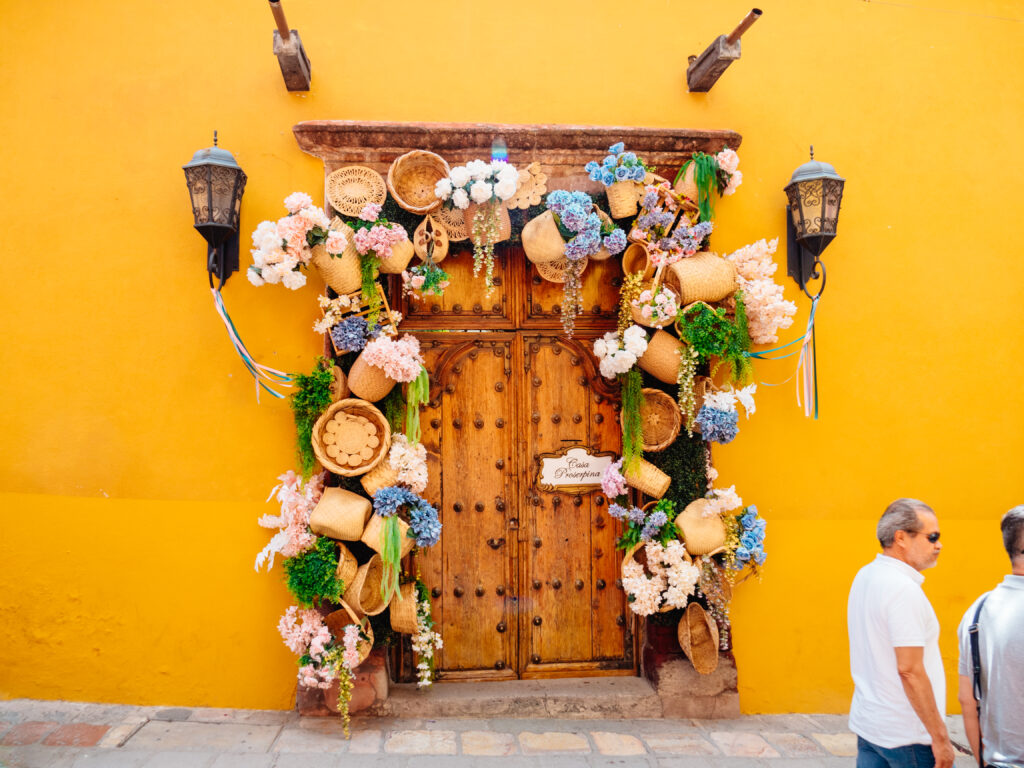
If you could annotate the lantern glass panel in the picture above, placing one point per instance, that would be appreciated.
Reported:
(811, 197)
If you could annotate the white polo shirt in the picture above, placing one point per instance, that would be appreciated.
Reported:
(888, 610)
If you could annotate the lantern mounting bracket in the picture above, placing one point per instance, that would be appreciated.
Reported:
(802, 265)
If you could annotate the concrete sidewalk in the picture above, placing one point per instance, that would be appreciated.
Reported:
(40, 734)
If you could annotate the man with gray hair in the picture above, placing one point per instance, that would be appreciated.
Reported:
(899, 687)
(994, 708)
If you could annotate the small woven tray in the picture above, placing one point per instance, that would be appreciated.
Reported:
(351, 437)
(454, 221)
(349, 189)
(554, 271)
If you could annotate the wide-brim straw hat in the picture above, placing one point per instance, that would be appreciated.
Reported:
(660, 419)
(647, 479)
(347, 565)
(363, 594)
(698, 637)
(340, 515)
(454, 222)
(412, 178)
(336, 622)
(403, 611)
(705, 276)
(375, 528)
(554, 271)
(661, 358)
(702, 534)
(349, 189)
(355, 443)
(368, 381)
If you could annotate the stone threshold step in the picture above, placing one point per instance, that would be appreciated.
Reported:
(607, 698)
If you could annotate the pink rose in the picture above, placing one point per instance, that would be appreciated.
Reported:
(728, 160)
(418, 281)
(337, 242)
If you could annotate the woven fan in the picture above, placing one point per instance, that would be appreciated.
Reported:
(533, 183)
(349, 189)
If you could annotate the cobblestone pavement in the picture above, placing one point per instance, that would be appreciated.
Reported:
(38, 734)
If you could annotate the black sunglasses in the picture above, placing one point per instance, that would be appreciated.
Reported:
(932, 537)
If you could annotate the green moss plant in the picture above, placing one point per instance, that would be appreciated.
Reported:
(632, 434)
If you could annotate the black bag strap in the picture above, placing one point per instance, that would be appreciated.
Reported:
(972, 632)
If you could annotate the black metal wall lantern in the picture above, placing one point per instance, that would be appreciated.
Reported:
(215, 184)
(815, 192)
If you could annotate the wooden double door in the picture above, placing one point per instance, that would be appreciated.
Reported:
(525, 581)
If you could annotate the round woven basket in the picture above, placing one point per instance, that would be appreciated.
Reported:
(341, 618)
(504, 221)
(401, 255)
(454, 221)
(347, 565)
(702, 534)
(379, 477)
(623, 197)
(554, 271)
(631, 554)
(340, 515)
(374, 529)
(542, 241)
(660, 420)
(339, 384)
(363, 594)
(431, 232)
(705, 276)
(403, 611)
(635, 259)
(360, 436)
(349, 189)
(648, 322)
(412, 178)
(661, 359)
(647, 479)
(698, 637)
(368, 381)
(339, 272)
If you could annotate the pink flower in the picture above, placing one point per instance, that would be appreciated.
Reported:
(296, 201)
(612, 482)
(370, 212)
(734, 181)
(400, 360)
(418, 281)
(337, 242)
(728, 160)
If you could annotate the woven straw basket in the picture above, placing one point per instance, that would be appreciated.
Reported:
(623, 197)
(661, 359)
(454, 222)
(339, 384)
(554, 271)
(349, 189)
(542, 241)
(368, 381)
(339, 272)
(375, 528)
(698, 637)
(604, 254)
(702, 535)
(340, 515)
(635, 259)
(379, 477)
(504, 221)
(358, 433)
(705, 276)
(648, 479)
(631, 554)
(660, 420)
(687, 185)
(412, 178)
(401, 255)
(338, 620)
(347, 565)
(648, 322)
(431, 232)
(702, 387)
(403, 611)
(363, 594)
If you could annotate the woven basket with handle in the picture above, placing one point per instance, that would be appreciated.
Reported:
(504, 221)
(635, 259)
(412, 178)
(340, 515)
(368, 381)
(349, 189)
(339, 272)
(403, 611)
(698, 637)
(351, 437)
(363, 594)
(341, 618)
(401, 254)
(705, 276)
(542, 242)
(647, 479)
(379, 477)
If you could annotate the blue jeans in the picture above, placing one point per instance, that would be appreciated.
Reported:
(911, 756)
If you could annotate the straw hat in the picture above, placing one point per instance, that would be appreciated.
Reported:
(703, 534)
(698, 637)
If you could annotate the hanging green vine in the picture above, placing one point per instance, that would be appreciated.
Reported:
(705, 176)
(393, 408)
(312, 575)
(632, 285)
(368, 271)
(632, 434)
(418, 392)
(311, 398)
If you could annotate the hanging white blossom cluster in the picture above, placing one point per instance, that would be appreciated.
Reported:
(668, 582)
(617, 355)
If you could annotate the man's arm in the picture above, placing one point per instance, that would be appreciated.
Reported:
(910, 662)
(969, 707)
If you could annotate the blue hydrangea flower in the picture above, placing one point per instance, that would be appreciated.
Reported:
(653, 525)
(718, 426)
(350, 334)
(615, 242)
(582, 199)
(617, 148)
(574, 217)
(424, 525)
(618, 511)
(387, 501)
(636, 515)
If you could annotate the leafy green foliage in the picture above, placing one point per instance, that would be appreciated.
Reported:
(369, 265)
(632, 434)
(311, 398)
(418, 392)
(312, 575)
(632, 534)
(393, 407)
(713, 334)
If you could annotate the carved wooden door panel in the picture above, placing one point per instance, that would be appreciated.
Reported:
(573, 618)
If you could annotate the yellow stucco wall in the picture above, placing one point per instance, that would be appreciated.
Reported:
(135, 459)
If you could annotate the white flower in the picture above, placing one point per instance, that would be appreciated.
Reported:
(264, 230)
(293, 279)
(460, 199)
(505, 189)
(745, 397)
(296, 201)
(634, 339)
(508, 173)
(443, 189)
(254, 276)
(496, 166)
(721, 401)
(315, 216)
(478, 169)
(722, 501)
(728, 160)
(481, 191)
(459, 176)
(734, 181)
(272, 274)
